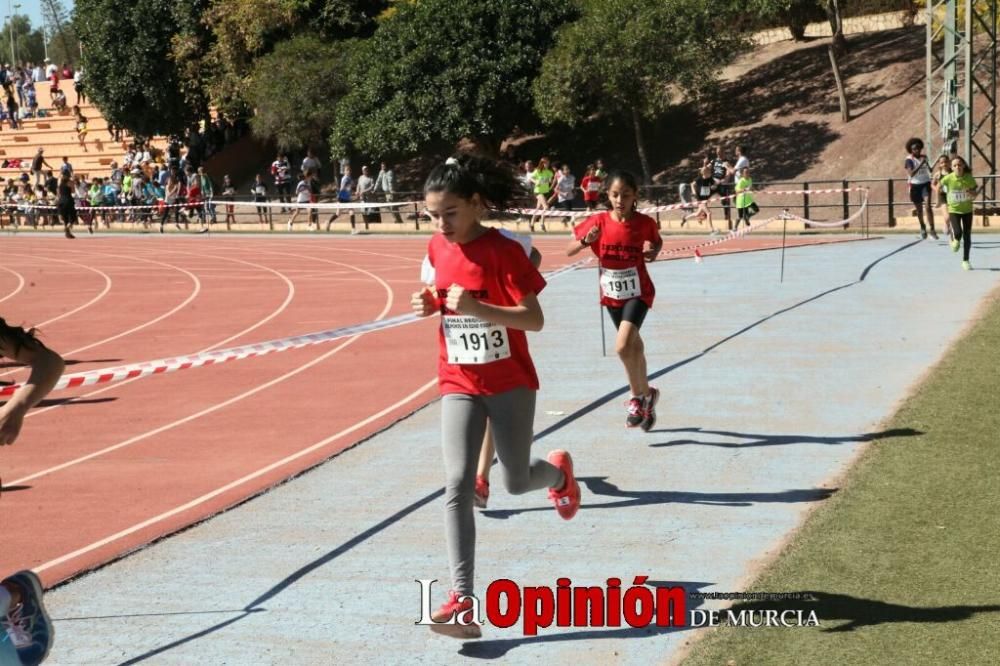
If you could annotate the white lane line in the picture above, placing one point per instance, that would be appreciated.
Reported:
(229, 486)
(217, 406)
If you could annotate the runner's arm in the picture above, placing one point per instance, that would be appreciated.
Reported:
(525, 316)
(46, 368)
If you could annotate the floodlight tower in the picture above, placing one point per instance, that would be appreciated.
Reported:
(961, 102)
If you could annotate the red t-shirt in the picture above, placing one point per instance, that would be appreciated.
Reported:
(619, 248)
(591, 186)
(496, 269)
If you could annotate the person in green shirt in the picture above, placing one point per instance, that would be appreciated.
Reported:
(744, 198)
(542, 178)
(961, 190)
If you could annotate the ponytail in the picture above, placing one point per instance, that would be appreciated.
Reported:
(16, 338)
(468, 175)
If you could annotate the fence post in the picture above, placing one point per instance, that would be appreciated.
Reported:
(846, 200)
(805, 201)
(416, 216)
(892, 213)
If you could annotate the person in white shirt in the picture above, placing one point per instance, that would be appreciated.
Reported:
(918, 177)
(742, 161)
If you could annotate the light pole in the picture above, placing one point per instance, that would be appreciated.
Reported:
(10, 19)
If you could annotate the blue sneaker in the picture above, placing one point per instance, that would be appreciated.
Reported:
(27, 624)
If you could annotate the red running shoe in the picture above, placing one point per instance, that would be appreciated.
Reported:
(567, 500)
(482, 492)
(450, 611)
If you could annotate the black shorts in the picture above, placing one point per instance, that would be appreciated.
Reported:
(633, 311)
(920, 193)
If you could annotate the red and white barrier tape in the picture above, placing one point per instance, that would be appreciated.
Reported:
(539, 212)
(167, 365)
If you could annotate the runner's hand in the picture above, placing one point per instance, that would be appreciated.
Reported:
(649, 252)
(11, 420)
(592, 235)
(423, 302)
(459, 300)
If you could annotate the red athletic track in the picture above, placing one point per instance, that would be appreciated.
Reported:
(123, 464)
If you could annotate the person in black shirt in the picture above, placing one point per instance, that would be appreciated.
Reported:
(37, 163)
(702, 187)
(51, 182)
(66, 205)
(722, 174)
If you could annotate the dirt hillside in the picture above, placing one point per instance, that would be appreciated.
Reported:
(780, 102)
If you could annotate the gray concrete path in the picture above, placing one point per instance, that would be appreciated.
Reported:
(768, 391)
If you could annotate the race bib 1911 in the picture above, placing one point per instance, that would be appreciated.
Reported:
(621, 284)
(472, 341)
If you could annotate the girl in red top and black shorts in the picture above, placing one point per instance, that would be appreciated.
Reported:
(624, 240)
(485, 289)
(591, 188)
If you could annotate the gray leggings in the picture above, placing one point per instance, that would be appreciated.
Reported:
(463, 424)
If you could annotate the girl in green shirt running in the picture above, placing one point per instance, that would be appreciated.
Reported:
(961, 189)
(744, 198)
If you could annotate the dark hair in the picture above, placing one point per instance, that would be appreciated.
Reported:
(468, 175)
(17, 338)
(627, 177)
(914, 141)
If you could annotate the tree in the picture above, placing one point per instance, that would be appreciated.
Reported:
(793, 14)
(292, 91)
(131, 77)
(633, 59)
(62, 36)
(838, 40)
(218, 41)
(28, 45)
(445, 70)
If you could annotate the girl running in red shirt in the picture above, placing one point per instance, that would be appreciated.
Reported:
(624, 240)
(591, 188)
(486, 291)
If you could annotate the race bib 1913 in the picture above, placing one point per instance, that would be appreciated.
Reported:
(472, 341)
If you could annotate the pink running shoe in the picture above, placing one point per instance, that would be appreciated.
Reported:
(635, 413)
(452, 609)
(649, 409)
(567, 500)
(482, 492)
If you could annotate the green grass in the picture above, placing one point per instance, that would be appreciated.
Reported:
(904, 561)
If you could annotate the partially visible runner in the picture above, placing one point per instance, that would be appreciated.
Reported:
(624, 240)
(486, 292)
(918, 176)
(565, 192)
(702, 187)
(961, 188)
(303, 195)
(26, 631)
(489, 449)
(722, 174)
(941, 168)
